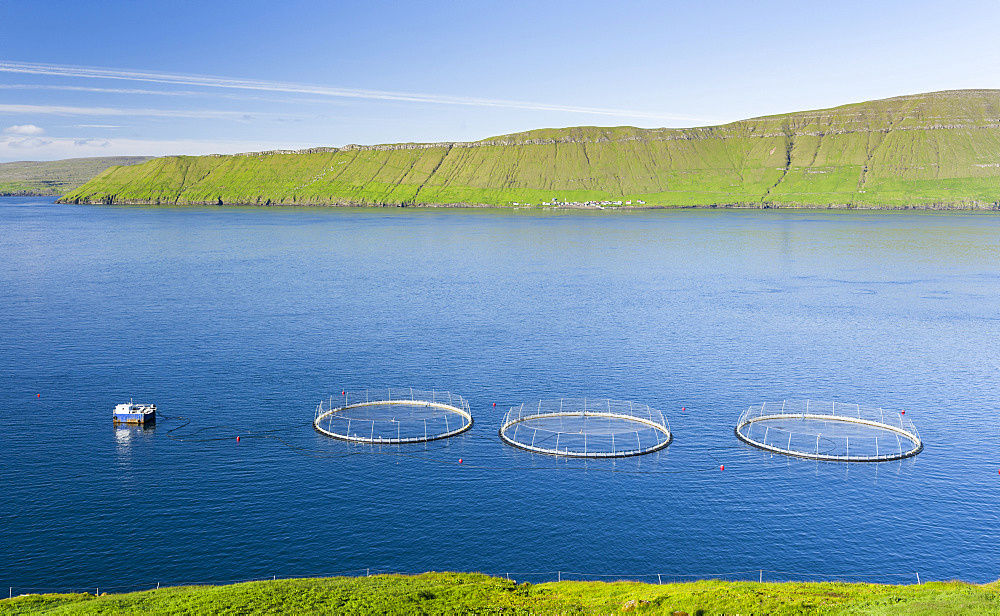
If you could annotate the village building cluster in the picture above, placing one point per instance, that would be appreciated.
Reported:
(582, 204)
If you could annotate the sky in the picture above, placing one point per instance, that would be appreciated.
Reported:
(103, 78)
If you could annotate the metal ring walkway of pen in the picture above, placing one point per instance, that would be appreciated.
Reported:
(830, 431)
(586, 428)
(393, 416)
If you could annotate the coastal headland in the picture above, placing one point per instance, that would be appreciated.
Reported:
(927, 151)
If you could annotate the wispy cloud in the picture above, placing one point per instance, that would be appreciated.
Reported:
(34, 86)
(70, 110)
(174, 93)
(33, 148)
(27, 143)
(296, 88)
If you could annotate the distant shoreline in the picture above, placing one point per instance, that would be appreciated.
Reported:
(31, 193)
(56, 177)
(733, 206)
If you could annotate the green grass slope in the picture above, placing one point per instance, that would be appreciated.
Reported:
(930, 150)
(464, 593)
(56, 177)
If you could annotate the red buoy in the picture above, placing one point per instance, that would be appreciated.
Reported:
(343, 393)
(683, 408)
(40, 395)
(237, 439)
(460, 460)
(722, 467)
(494, 404)
(903, 411)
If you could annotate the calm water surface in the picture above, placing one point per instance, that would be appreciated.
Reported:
(242, 319)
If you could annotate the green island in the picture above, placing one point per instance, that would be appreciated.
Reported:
(57, 177)
(461, 593)
(930, 151)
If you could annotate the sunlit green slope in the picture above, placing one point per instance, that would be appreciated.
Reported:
(56, 177)
(929, 150)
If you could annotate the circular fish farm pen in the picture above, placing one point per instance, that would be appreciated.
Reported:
(831, 431)
(393, 416)
(586, 428)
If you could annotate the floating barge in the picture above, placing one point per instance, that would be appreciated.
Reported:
(137, 414)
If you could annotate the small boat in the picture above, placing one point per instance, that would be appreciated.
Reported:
(131, 413)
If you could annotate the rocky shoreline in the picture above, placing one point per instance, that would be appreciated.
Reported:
(956, 206)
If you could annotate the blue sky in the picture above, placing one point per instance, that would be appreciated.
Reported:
(106, 78)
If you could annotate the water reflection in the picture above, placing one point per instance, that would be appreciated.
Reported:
(127, 438)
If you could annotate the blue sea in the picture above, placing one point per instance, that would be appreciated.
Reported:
(236, 322)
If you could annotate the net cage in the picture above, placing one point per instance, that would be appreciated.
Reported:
(393, 415)
(586, 428)
(832, 431)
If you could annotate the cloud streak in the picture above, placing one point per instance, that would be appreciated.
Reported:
(175, 93)
(56, 70)
(14, 147)
(35, 86)
(70, 110)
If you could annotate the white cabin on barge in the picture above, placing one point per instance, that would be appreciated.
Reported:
(131, 413)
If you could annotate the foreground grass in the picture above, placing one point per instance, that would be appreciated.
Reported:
(460, 593)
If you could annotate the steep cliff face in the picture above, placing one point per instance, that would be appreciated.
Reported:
(930, 150)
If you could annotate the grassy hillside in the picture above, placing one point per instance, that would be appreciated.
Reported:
(463, 593)
(56, 177)
(930, 150)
